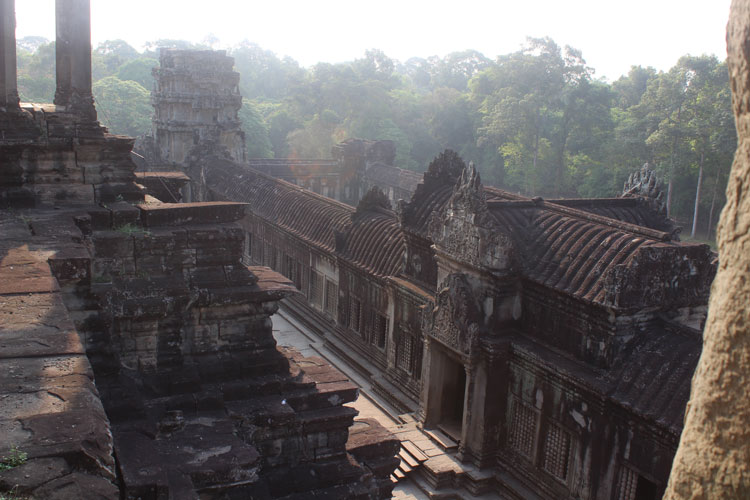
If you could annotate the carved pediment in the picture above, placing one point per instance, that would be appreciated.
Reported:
(645, 183)
(374, 200)
(465, 229)
(455, 319)
(646, 186)
(442, 171)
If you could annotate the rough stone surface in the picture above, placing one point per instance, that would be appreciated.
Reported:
(51, 408)
(200, 399)
(713, 460)
(55, 159)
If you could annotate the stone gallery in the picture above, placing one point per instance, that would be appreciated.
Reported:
(546, 346)
(553, 341)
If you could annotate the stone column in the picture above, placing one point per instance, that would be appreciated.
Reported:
(8, 81)
(468, 416)
(73, 57)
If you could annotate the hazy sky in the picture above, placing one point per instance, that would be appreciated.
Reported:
(612, 35)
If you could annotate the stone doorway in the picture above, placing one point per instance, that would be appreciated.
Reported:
(450, 394)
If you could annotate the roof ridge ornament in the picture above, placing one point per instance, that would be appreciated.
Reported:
(373, 201)
(645, 183)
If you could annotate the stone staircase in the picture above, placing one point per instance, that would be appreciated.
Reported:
(428, 459)
(411, 458)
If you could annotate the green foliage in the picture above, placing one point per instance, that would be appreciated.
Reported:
(123, 106)
(264, 75)
(16, 458)
(109, 56)
(256, 131)
(36, 73)
(138, 70)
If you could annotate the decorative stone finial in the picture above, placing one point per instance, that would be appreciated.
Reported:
(645, 183)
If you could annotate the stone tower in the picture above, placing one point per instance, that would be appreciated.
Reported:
(196, 99)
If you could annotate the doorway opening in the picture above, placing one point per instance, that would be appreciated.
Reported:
(452, 398)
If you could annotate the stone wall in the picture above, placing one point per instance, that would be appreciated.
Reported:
(198, 394)
(54, 158)
(154, 297)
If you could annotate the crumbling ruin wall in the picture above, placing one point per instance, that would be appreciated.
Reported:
(713, 460)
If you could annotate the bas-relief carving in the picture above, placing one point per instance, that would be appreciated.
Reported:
(454, 319)
(645, 183)
(465, 229)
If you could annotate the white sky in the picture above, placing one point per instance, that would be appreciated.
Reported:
(612, 35)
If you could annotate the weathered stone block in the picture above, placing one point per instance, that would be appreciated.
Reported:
(217, 256)
(176, 214)
(78, 485)
(117, 191)
(123, 214)
(150, 264)
(113, 244)
(56, 194)
(161, 241)
(71, 264)
(101, 218)
(179, 260)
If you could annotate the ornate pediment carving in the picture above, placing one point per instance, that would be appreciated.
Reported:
(455, 319)
(465, 229)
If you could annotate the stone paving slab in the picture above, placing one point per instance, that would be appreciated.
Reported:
(36, 324)
(49, 406)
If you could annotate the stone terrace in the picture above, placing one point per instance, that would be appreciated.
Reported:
(50, 406)
(195, 415)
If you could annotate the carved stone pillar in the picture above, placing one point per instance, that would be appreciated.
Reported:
(8, 81)
(484, 414)
(468, 415)
(423, 412)
(73, 57)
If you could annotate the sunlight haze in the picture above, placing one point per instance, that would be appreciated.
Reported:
(612, 35)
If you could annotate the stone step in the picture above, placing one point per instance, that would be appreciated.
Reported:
(404, 467)
(406, 457)
(399, 474)
(414, 450)
(442, 440)
(407, 418)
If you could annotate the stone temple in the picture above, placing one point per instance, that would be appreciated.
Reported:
(547, 345)
(136, 351)
(544, 347)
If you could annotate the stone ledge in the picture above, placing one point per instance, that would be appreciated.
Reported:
(177, 214)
